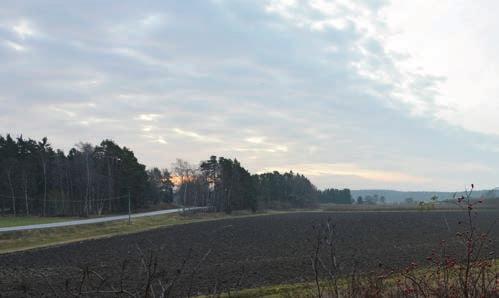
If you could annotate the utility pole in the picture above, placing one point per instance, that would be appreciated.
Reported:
(129, 209)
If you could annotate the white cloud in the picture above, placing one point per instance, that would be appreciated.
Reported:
(195, 136)
(348, 169)
(147, 117)
(161, 140)
(338, 88)
(255, 140)
(15, 46)
(450, 40)
(269, 148)
(147, 128)
(154, 138)
(153, 20)
(63, 111)
(23, 29)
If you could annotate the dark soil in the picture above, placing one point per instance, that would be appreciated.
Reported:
(236, 253)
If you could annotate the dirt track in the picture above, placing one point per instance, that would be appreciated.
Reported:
(240, 253)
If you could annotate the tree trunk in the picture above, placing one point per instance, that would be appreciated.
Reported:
(185, 192)
(26, 192)
(9, 178)
(70, 190)
(63, 195)
(44, 165)
(87, 192)
(110, 185)
(3, 205)
(228, 206)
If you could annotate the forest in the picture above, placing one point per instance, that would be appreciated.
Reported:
(36, 179)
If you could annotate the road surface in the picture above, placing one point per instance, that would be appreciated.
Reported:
(93, 220)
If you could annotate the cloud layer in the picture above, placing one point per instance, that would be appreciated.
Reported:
(322, 87)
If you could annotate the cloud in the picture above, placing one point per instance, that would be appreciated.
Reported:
(23, 29)
(348, 169)
(161, 140)
(322, 84)
(263, 149)
(195, 136)
(255, 140)
(442, 39)
(148, 117)
(259, 144)
(15, 46)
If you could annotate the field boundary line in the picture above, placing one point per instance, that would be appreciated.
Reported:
(94, 220)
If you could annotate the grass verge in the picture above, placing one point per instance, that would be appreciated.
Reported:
(309, 289)
(24, 240)
(14, 221)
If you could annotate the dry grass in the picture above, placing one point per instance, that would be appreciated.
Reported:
(23, 240)
(14, 221)
(308, 289)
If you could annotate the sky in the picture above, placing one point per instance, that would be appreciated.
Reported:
(359, 94)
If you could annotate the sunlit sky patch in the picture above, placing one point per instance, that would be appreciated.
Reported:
(359, 94)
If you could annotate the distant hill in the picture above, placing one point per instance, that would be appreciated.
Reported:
(395, 196)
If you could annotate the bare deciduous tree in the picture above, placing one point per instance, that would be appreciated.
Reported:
(185, 172)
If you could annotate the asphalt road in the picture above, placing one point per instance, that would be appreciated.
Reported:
(93, 220)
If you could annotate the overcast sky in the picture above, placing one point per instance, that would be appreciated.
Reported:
(368, 94)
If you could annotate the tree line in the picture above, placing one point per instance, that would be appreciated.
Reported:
(36, 179)
(371, 200)
(337, 196)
